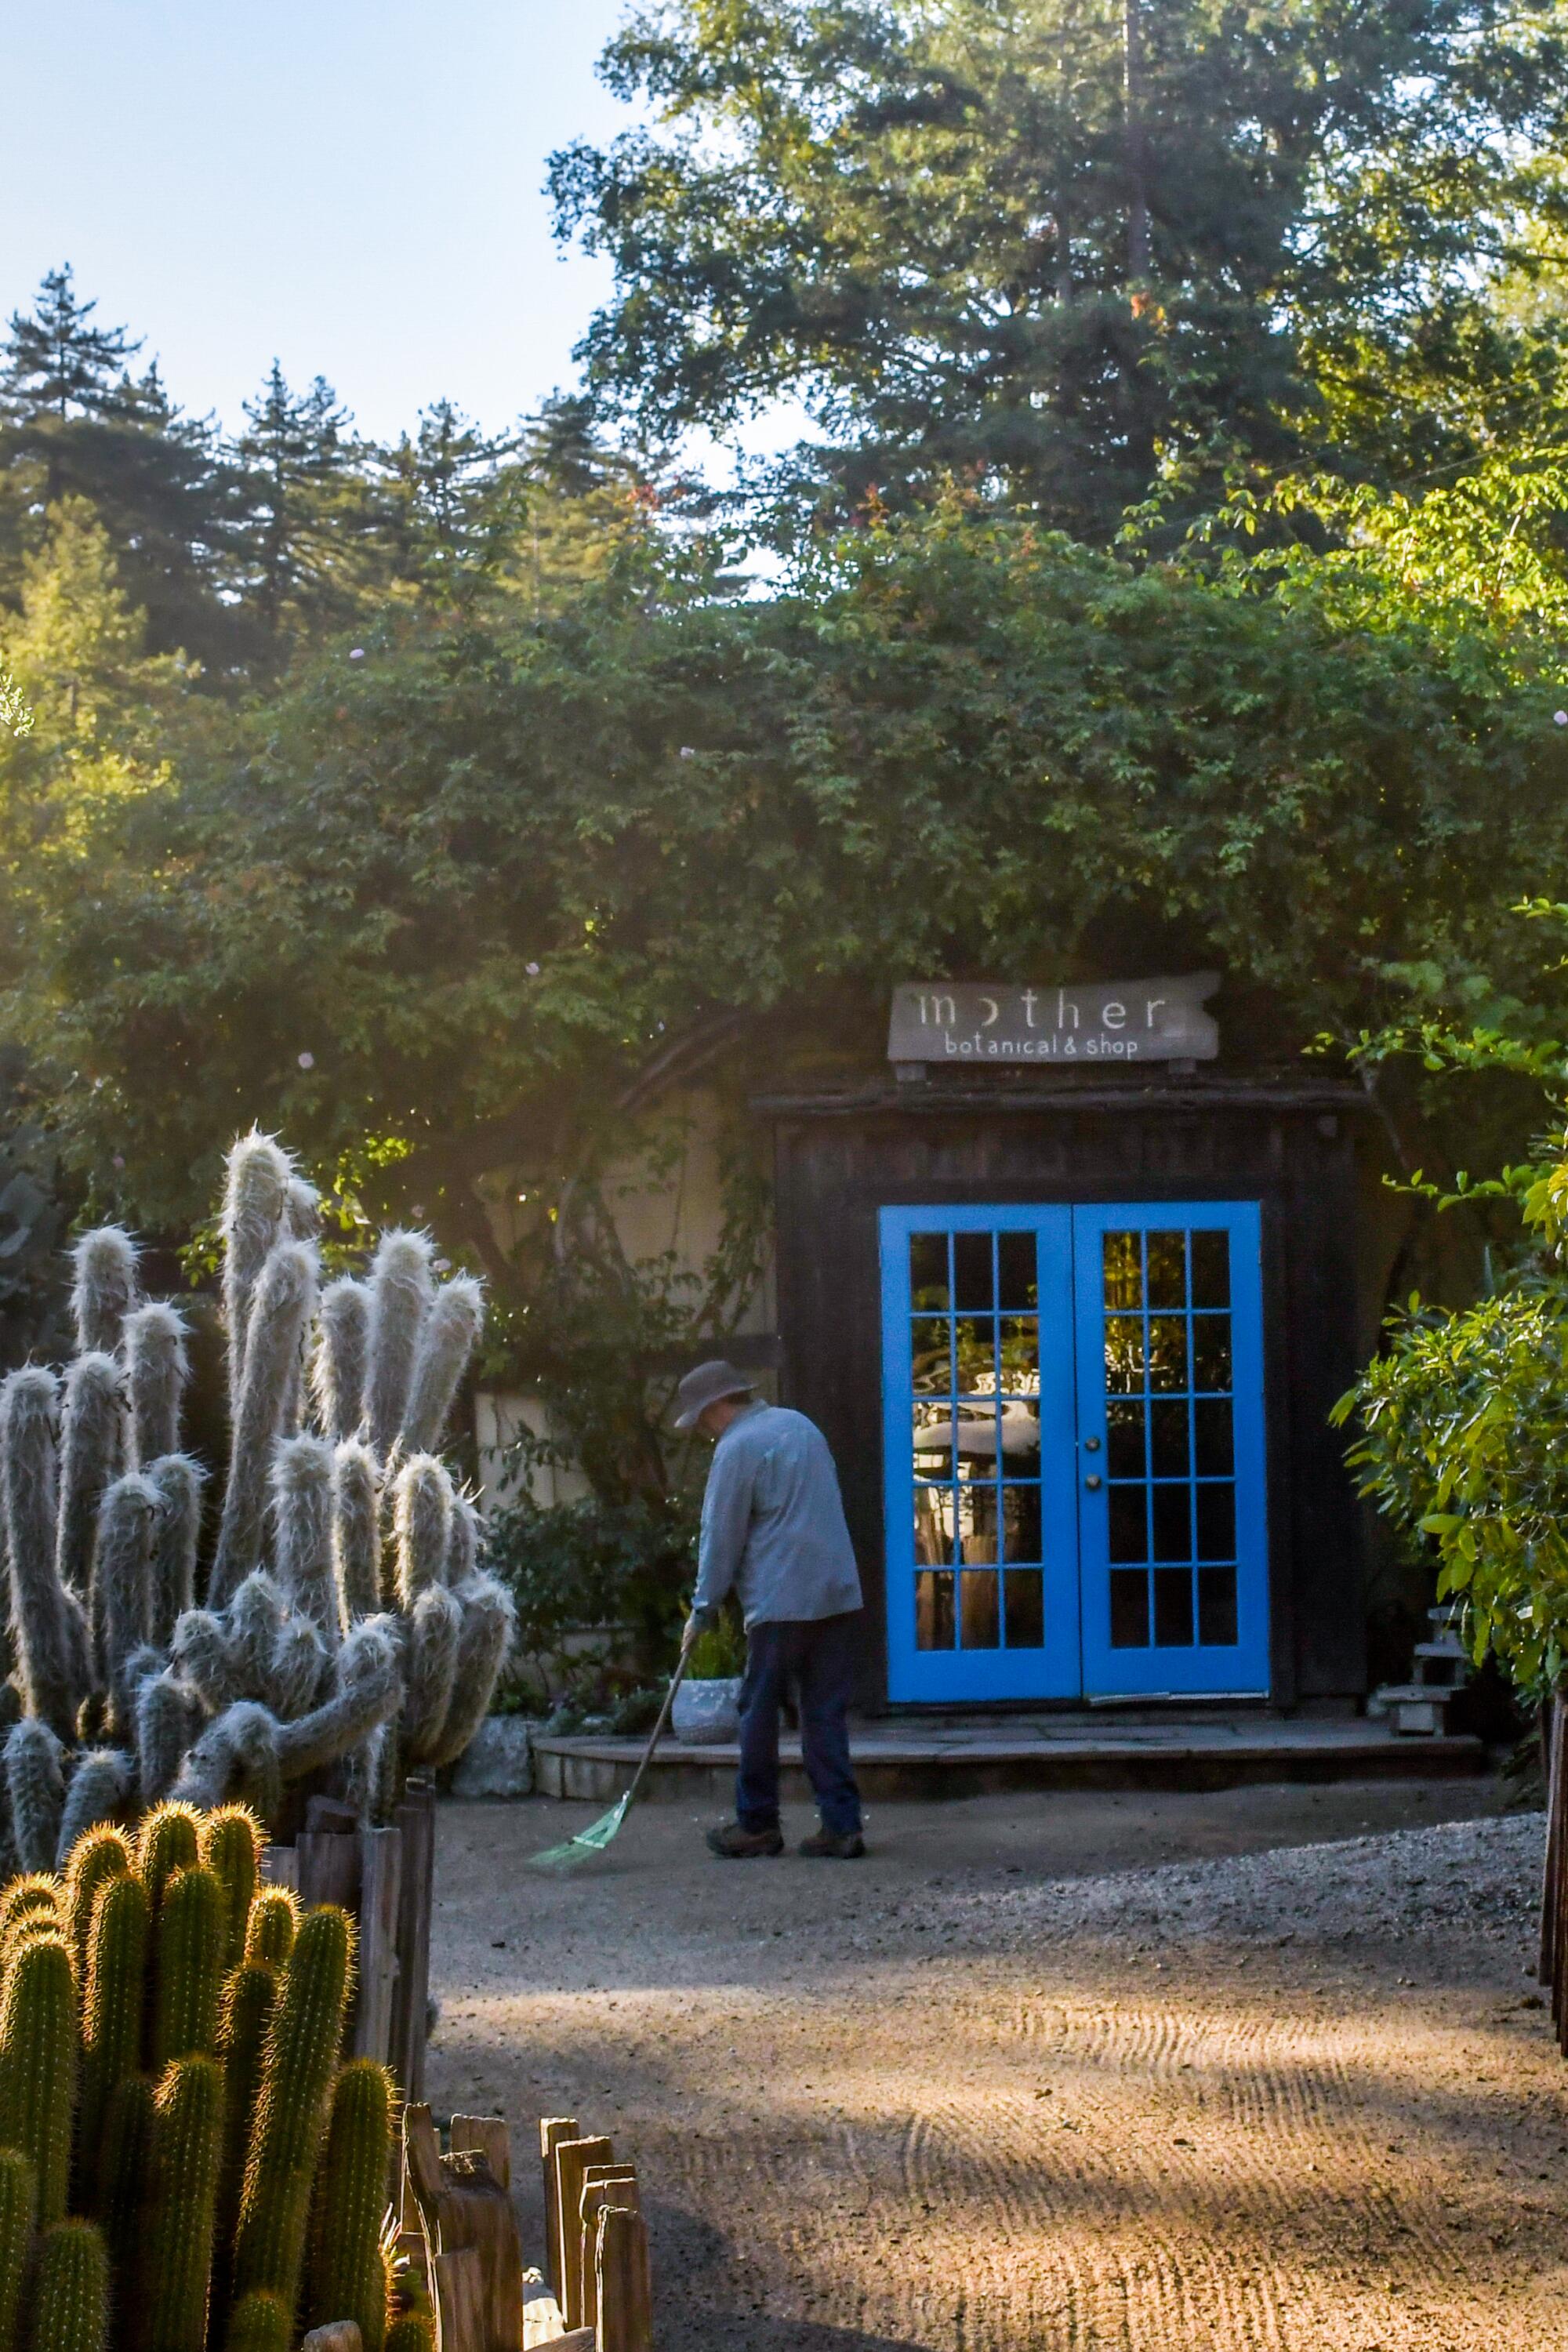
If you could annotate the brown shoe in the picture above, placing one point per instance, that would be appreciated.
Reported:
(833, 1845)
(731, 1843)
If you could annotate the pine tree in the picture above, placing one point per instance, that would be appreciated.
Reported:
(57, 362)
(305, 494)
(444, 508)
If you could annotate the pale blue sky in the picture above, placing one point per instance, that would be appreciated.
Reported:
(353, 185)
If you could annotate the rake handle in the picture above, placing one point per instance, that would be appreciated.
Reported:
(656, 1733)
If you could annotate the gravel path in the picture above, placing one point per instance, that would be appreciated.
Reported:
(1291, 2089)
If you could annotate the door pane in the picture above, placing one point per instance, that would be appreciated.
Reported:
(1170, 1455)
(1129, 1608)
(931, 1350)
(1167, 1273)
(1025, 1609)
(929, 1285)
(1216, 1606)
(1017, 1271)
(933, 1609)
(1211, 1269)
(1212, 1449)
(1172, 1609)
(973, 1279)
(1124, 1439)
(1173, 1522)
(1211, 1351)
(1129, 1523)
(982, 1624)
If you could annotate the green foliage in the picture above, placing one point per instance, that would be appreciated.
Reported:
(346, 2277)
(70, 2296)
(585, 1564)
(719, 1652)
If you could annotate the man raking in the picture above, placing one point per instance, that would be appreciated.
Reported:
(774, 1529)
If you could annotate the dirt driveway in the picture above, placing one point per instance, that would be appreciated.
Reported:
(1158, 2072)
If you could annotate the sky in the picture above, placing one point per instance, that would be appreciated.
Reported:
(351, 186)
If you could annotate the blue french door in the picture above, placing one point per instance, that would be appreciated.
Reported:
(1074, 1471)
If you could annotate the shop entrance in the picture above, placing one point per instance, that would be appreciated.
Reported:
(1073, 1461)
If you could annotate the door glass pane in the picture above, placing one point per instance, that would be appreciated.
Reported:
(1123, 1260)
(1124, 1439)
(1168, 1431)
(927, 1271)
(1173, 1608)
(1211, 1351)
(1216, 1606)
(1025, 1609)
(1167, 1351)
(931, 1354)
(1212, 1437)
(1211, 1269)
(1021, 1521)
(932, 1441)
(974, 1346)
(1129, 1523)
(1172, 1522)
(1017, 1275)
(1129, 1608)
(1216, 1521)
(973, 1279)
(1020, 1352)
(1167, 1269)
(1123, 1352)
(982, 1624)
(935, 1524)
(933, 1609)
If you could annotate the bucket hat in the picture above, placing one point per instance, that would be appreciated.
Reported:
(705, 1386)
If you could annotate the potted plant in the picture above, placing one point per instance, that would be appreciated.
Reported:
(707, 1706)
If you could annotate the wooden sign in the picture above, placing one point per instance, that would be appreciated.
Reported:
(953, 1021)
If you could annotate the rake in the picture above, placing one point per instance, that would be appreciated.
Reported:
(598, 1834)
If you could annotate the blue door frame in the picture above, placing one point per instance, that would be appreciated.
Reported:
(1074, 1475)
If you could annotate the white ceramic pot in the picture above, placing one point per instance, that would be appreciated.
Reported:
(707, 1713)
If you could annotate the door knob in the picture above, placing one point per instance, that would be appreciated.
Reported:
(1091, 1445)
(1094, 1483)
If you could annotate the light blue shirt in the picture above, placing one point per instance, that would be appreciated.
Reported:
(773, 1522)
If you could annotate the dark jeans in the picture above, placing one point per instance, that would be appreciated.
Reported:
(818, 1655)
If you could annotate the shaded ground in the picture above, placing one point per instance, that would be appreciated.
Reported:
(1149, 2072)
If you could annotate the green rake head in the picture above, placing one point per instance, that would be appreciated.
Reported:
(587, 1843)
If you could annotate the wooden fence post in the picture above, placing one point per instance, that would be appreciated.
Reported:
(602, 2184)
(553, 2130)
(416, 1817)
(485, 2135)
(1550, 1742)
(572, 2157)
(380, 1892)
(624, 2282)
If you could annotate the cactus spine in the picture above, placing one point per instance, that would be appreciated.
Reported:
(356, 1529)
(342, 1352)
(37, 2067)
(447, 1340)
(187, 1977)
(155, 1372)
(120, 2202)
(35, 1786)
(291, 2109)
(179, 1482)
(102, 1854)
(230, 1842)
(489, 1619)
(273, 1924)
(122, 1585)
(170, 1841)
(284, 1296)
(421, 1525)
(259, 2323)
(112, 2005)
(90, 1458)
(17, 2193)
(182, 2198)
(435, 1631)
(48, 1643)
(347, 2277)
(98, 1787)
(411, 2331)
(70, 2294)
(402, 1289)
(255, 1195)
(248, 2000)
(104, 1290)
(303, 1512)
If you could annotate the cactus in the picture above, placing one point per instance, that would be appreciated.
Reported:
(422, 1497)
(104, 1290)
(37, 2067)
(168, 1719)
(370, 1686)
(179, 1481)
(411, 2331)
(188, 1967)
(204, 1655)
(259, 2323)
(284, 1295)
(170, 1840)
(346, 2277)
(356, 1530)
(156, 1367)
(273, 1924)
(402, 1289)
(122, 1587)
(38, 1895)
(463, 1549)
(291, 2105)
(301, 1669)
(16, 2196)
(101, 1854)
(435, 1631)
(255, 1196)
(248, 2000)
(182, 2204)
(489, 1619)
(46, 1619)
(35, 1786)
(122, 2171)
(341, 1354)
(302, 1514)
(100, 1788)
(447, 1340)
(230, 1840)
(112, 2006)
(236, 1757)
(89, 1459)
(70, 2293)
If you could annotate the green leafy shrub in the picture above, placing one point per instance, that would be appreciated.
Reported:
(719, 1652)
(573, 1568)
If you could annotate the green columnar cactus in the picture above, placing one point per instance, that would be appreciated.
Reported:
(256, 1197)
(181, 2202)
(17, 2189)
(435, 1630)
(113, 2005)
(489, 1620)
(284, 1296)
(249, 1998)
(411, 2331)
(168, 1840)
(273, 1924)
(259, 2323)
(122, 1586)
(37, 2067)
(179, 1481)
(343, 1353)
(90, 1447)
(36, 1893)
(104, 1852)
(297, 2078)
(231, 1844)
(35, 1784)
(346, 2278)
(402, 1289)
(447, 1340)
(189, 1953)
(118, 2191)
(70, 2293)
(356, 1529)
(104, 1290)
(46, 1619)
(99, 1789)
(155, 1373)
(302, 1517)
(421, 1525)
